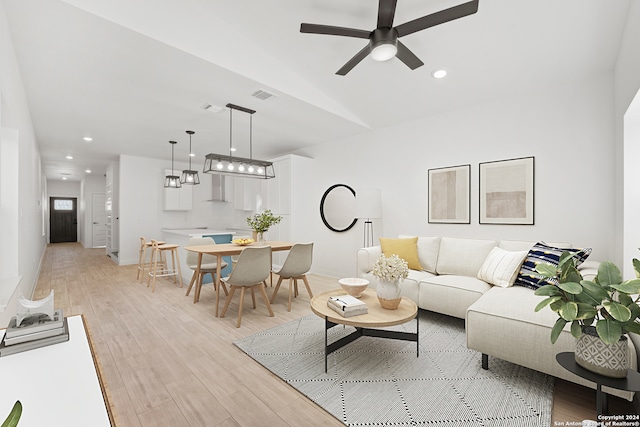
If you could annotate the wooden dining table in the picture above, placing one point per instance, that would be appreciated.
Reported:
(229, 249)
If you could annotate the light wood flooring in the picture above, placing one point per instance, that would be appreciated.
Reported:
(169, 362)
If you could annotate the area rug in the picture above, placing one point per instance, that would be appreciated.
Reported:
(381, 382)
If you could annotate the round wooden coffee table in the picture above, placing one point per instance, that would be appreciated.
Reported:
(377, 317)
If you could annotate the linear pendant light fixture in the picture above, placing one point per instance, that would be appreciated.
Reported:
(189, 176)
(172, 181)
(238, 166)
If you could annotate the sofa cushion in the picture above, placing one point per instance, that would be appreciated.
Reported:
(463, 257)
(541, 252)
(515, 303)
(501, 267)
(428, 248)
(524, 245)
(407, 249)
(503, 323)
(450, 294)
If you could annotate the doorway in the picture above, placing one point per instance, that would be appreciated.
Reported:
(63, 219)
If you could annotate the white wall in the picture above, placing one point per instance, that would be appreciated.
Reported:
(568, 128)
(141, 199)
(627, 84)
(15, 115)
(57, 188)
(631, 190)
(90, 185)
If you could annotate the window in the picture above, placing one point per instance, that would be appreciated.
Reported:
(63, 205)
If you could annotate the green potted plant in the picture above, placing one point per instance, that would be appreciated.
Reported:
(14, 415)
(261, 222)
(600, 312)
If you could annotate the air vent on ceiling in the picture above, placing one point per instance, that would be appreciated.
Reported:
(212, 108)
(262, 94)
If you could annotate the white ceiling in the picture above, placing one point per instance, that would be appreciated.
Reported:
(133, 74)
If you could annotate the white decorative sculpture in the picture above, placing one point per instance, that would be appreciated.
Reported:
(26, 307)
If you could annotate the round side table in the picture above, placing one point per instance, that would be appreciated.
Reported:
(567, 360)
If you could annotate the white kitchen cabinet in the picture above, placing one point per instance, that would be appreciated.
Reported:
(287, 195)
(177, 199)
(248, 194)
(279, 188)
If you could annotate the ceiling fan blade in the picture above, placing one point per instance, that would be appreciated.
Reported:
(353, 61)
(406, 56)
(438, 18)
(386, 12)
(334, 31)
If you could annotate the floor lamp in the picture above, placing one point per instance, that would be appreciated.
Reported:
(368, 206)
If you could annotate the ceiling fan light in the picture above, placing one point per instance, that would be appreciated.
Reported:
(439, 74)
(384, 52)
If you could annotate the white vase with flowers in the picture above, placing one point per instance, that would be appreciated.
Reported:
(390, 271)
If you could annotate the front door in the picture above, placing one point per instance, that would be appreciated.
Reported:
(63, 219)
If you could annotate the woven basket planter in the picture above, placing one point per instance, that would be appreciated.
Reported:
(594, 355)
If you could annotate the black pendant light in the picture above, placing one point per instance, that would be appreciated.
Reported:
(189, 176)
(172, 181)
(223, 164)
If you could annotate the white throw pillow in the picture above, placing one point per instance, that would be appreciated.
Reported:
(501, 267)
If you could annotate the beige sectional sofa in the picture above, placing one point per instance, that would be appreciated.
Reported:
(500, 321)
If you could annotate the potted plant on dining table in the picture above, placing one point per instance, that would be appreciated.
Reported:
(261, 222)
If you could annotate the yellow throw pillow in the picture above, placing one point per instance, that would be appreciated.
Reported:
(407, 249)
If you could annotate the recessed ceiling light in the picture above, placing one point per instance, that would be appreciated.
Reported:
(88, 170)
(233, 149)
(192, 155)
(70, 157)
(88, 138)
(438, 74)
(64, 178)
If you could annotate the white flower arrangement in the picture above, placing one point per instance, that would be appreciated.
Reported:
(391, 268)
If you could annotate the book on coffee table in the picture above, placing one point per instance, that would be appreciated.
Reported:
(347, 305)
(349, 313)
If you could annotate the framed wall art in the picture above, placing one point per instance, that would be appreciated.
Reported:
(507, 191)
(448, 198)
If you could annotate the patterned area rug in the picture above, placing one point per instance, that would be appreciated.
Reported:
(381, 382)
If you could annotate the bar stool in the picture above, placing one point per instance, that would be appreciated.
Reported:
(142, 259)
(162, 270)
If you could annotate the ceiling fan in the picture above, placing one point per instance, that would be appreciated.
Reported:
(383, 41)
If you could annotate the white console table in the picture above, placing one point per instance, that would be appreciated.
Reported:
(58, 385)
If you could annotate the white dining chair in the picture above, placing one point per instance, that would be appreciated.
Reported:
(251, 271)
(295, 267)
